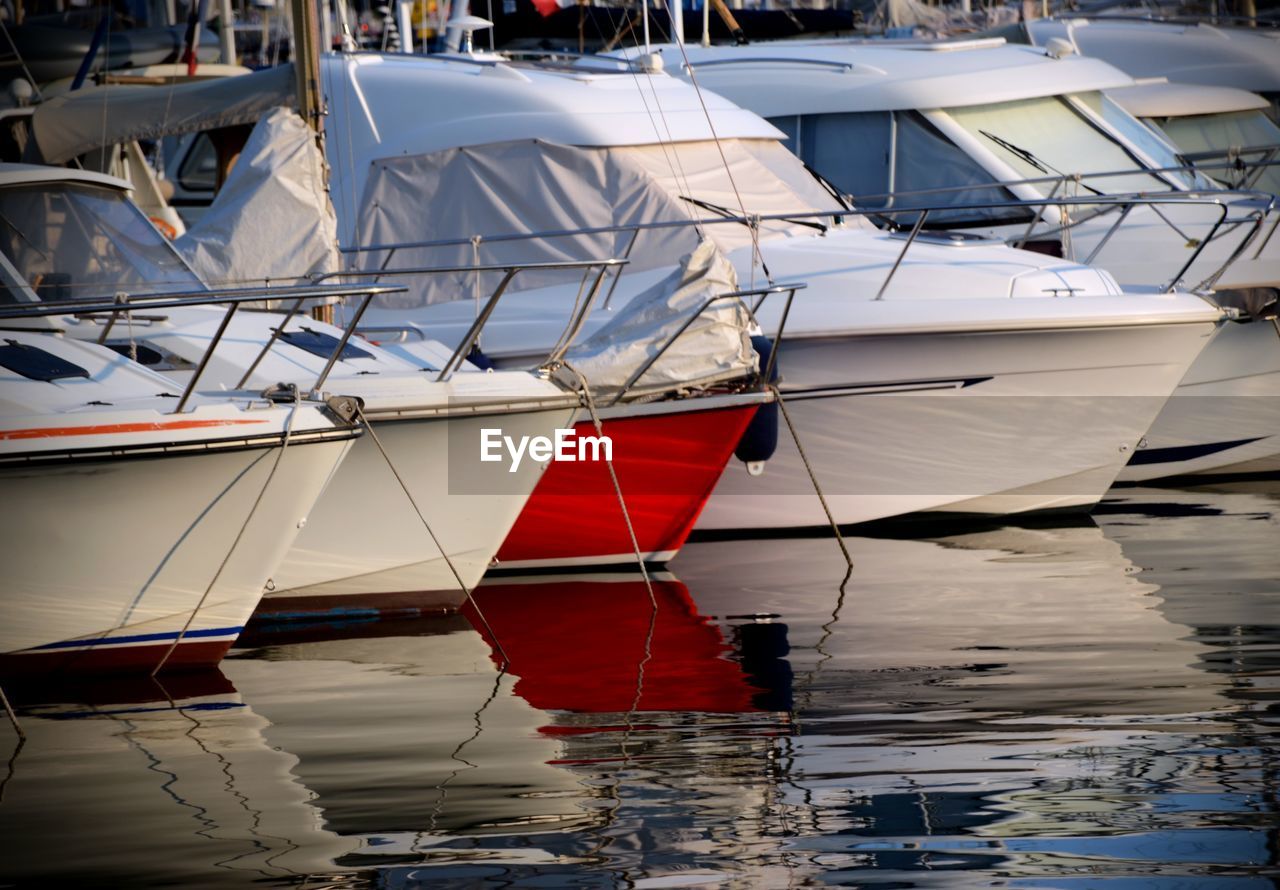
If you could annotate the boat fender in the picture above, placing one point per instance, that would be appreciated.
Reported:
(479, 359)
(760, 439)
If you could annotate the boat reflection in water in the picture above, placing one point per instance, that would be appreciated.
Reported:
(1031, 703)
(597, 644)
(1062, 706)
(410, 738)
(443, 758)
(131, 783)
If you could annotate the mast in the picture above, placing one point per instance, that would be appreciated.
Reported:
(306, 70)
(306, 62)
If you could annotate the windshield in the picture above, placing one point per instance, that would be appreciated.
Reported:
(1242, 130)
(897, 160)
(1148, 141)
(1046, 137)
(72, 241)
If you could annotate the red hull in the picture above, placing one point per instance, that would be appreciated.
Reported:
(667, 466)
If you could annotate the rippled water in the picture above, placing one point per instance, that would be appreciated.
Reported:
(1087, 705)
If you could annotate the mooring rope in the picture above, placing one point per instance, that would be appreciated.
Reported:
(288, 433)
(13, 717)
(457, 576)
(590, 405)
(835, 527)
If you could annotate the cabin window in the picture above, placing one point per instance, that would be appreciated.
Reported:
(1045, 138)
(74, 241)
(879, 156)
(1250, 131)
(1148, 141)
(199, 169)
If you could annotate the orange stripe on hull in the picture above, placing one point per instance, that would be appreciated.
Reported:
(111, 428)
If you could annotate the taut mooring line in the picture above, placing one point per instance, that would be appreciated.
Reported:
(835, 527)
(506, 662)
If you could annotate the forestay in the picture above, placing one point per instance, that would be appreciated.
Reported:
(529, 186)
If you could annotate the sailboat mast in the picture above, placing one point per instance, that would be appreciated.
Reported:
(306, 62)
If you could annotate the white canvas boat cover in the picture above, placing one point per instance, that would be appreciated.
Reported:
(78, 122)
(271, 220)
(530, 186)
(716, 346)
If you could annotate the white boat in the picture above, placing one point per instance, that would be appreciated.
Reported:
(964, 376)
(970, 120)
(134, 535)
(1007, 123)
(1199, 53)
(367, 543)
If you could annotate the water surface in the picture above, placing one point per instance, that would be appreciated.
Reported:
(1088, 705)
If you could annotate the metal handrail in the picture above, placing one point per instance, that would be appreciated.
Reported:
(232, 298)
(124, 301)
(787, 60)
(1208, 196)
(1224, 200)
(509, 270)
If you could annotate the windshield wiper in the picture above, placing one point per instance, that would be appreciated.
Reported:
(728, 213)
(830, 187)
(1039, 164)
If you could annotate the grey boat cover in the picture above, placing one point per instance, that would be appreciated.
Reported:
(271, 221)
(75, 123)
(531, 186)
(716, 346)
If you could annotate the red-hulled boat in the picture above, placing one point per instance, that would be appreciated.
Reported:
(668, 457)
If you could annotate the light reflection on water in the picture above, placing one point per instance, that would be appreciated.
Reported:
(1083, 705)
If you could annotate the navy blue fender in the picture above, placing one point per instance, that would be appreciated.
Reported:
(761, 438)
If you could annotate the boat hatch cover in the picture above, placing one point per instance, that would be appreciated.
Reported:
(139, 352)
(321, 344)
(36, 364)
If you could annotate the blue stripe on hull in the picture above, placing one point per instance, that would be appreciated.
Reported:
(141, 638)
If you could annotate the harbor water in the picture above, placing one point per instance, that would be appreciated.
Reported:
(1086, 703)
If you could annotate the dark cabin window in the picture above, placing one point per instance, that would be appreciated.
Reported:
(321, 344)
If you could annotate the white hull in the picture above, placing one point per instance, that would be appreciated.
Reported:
(1224, 418)
(986, 423)
(364, 540)
(116, 586)
(194, 772)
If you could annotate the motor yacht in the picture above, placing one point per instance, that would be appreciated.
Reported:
(975, 129)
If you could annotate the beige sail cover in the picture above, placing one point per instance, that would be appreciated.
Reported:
(88, 119)
(530, 186)
(271, 220)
